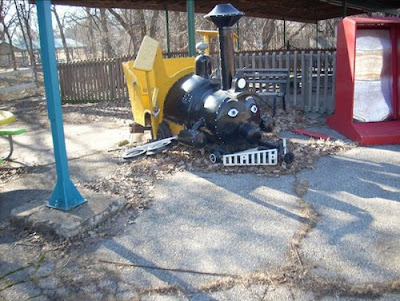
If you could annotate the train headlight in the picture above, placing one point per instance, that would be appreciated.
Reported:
(239, 84)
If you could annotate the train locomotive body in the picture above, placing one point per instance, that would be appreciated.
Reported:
(219, 115)
(224, 112)
(226, 117)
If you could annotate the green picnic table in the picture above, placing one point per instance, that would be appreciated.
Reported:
(7, 117)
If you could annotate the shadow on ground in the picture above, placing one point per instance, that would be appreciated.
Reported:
(15, 198)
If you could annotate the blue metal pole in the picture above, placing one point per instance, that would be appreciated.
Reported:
(191, 30)
(65, 195)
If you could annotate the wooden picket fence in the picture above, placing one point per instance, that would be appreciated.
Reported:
(93, 80)
(311, 86)
(96, 80)
(311, 76)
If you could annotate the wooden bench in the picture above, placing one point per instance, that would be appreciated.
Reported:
(267, 82)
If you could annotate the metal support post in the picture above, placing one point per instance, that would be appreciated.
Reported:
(65, 195)
(191, 31)
(238, 36)
(167, 29)
(344, 5)
(284, 34)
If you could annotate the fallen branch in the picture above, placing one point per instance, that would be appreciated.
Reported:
(298, 255)
(27, 244)
(167, 269)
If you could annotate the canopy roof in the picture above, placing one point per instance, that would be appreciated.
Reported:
(57, 43)
(294, 10)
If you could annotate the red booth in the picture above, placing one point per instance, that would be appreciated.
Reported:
(367, 107)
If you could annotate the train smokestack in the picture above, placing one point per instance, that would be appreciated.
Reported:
(224, 16)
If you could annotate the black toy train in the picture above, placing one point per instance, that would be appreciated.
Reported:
(222, 116)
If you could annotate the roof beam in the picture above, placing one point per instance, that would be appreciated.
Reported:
(368, 6)
(307, 11)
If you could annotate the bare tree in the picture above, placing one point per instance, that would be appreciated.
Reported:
(4, 10)
(91, 24)
(137, 24)
(107, 47)
(250, 33)
(121, 31)
(179, 31)
(62, 35)
(153, 24)
(24, 13)
(267, 32)
(126, 23)
(297, 31)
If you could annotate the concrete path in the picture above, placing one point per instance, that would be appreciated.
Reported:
(243, 224)
(358, 197)
(209, 224)
(329, 233)
(35, 147)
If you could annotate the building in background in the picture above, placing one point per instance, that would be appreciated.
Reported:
(77, 51)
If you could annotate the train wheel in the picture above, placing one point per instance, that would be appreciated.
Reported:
(288, 158)
(216, 157)
(163, 131)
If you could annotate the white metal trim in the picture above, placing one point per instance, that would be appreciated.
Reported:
(251, 157)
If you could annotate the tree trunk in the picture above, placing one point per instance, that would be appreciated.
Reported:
(21, 25)
(268, 31)
(128, 27)
(13, 59)
(31, 50)
(23, 19)
(61, 28)
(4, 11)
(153, 23)
(109, 51)
(142, 22)
(93, 48)
(297, 31)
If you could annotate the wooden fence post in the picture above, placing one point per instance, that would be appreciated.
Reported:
(295, 78)
(310, 82)
(317, 106)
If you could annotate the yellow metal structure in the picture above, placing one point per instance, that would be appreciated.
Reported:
(6, 117)
(149, 78)
(208, 34)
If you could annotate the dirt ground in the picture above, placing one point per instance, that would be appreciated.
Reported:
(178, 158)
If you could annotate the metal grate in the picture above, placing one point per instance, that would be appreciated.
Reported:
(252, 157)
